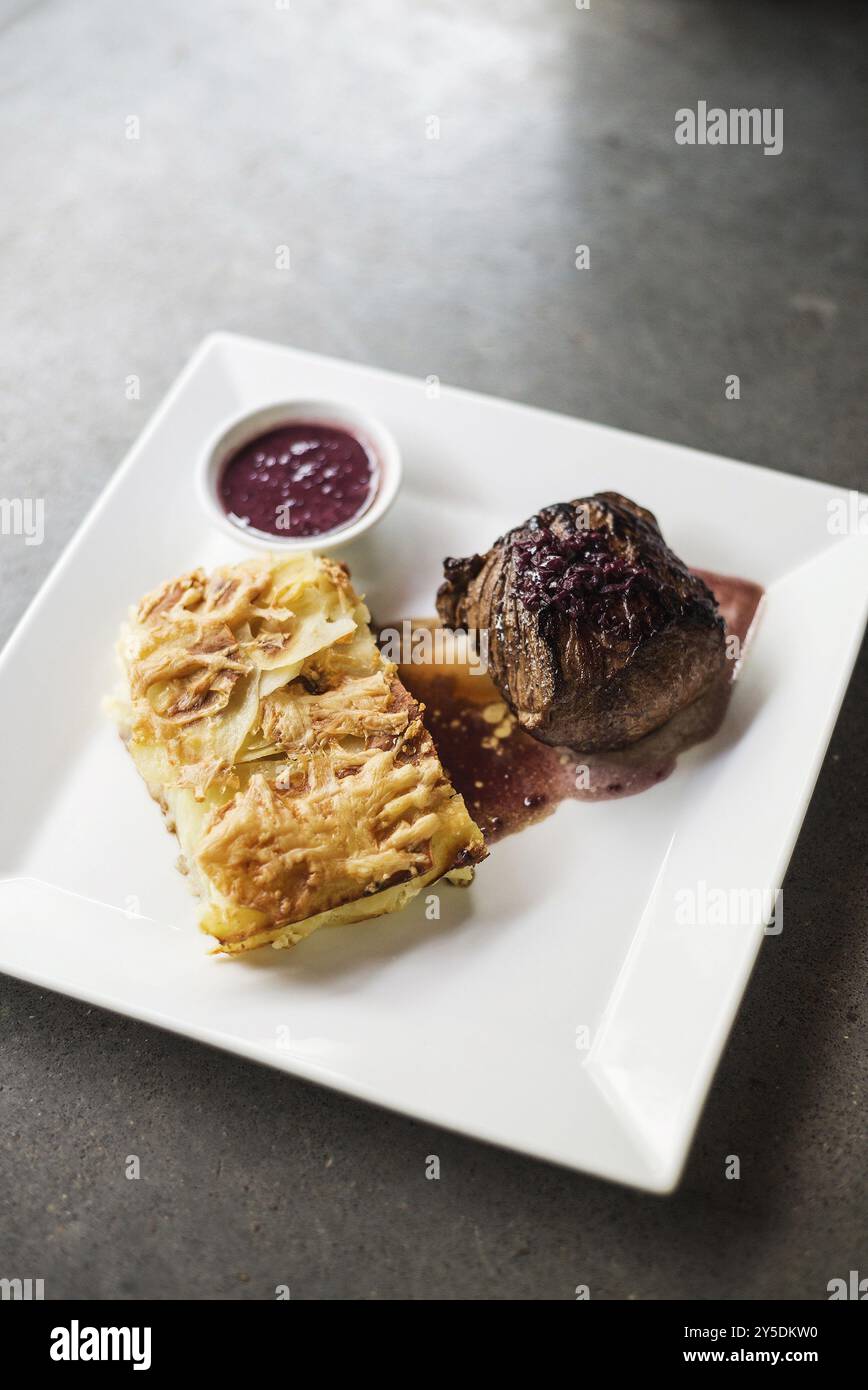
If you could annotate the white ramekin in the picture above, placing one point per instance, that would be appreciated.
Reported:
(233, 434)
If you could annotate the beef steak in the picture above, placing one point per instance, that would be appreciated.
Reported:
(597, 633)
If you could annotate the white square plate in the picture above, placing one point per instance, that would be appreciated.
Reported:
(473, 1021)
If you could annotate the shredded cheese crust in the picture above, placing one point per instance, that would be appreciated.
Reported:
(286, 754)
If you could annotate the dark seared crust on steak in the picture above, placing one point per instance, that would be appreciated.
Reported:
(597, 633)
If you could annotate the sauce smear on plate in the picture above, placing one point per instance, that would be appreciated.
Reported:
(510, 780)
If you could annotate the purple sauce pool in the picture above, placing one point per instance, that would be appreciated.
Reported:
(300, 479)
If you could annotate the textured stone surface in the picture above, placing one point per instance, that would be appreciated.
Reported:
(305, 126)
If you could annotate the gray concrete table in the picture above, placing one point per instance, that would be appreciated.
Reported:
(308, 125)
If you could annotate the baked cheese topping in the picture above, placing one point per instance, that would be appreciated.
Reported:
(285, 752)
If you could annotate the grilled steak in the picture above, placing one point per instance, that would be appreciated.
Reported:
(597, 633)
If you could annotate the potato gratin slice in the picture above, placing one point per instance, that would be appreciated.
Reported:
(284, 751)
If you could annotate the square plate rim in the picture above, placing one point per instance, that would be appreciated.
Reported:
(661, 1181)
